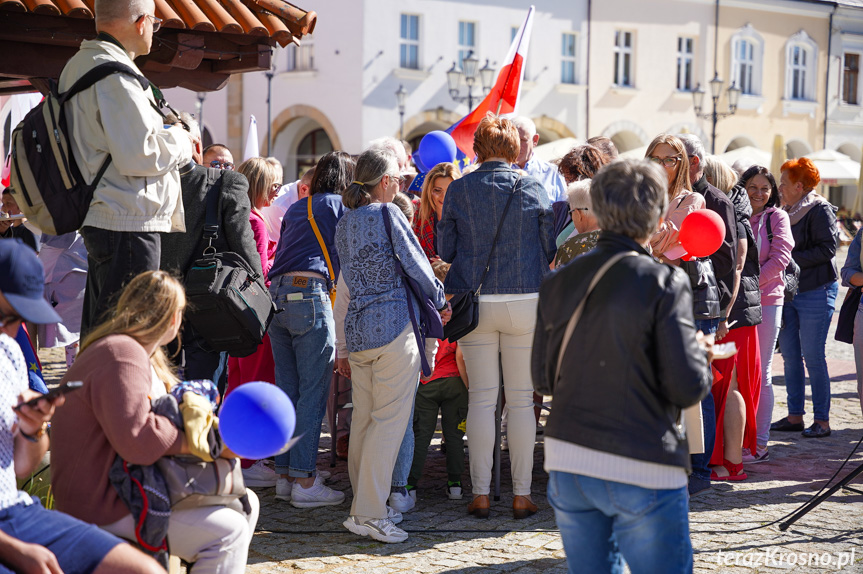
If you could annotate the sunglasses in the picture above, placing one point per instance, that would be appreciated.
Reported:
(9, 318)
(665, 161)
(222, 165)
(157, 22)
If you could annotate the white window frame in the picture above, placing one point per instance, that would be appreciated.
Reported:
(464, 48)
(859, 101)
(749, 35)
(807, 85)
(685, 58)
(620, 53)
(300, 58)
(408, 43)
(568, 62)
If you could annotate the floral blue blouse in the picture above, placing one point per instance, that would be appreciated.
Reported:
(378, 311)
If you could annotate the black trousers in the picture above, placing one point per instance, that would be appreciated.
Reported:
(114, 259)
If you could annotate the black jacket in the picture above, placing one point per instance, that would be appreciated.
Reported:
(632, 363)
(725, 259)
(816, 236)
(705, 290)
(180, 250)
(747, 307)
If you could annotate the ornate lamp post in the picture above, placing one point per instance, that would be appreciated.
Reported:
(468, 73)
(401, 93)
(715, 93)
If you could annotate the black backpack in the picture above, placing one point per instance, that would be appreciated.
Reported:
(44, 173)
(228, 303)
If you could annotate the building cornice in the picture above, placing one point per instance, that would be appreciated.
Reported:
(817, 8)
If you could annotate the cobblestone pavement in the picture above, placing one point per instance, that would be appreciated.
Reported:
(443, 538)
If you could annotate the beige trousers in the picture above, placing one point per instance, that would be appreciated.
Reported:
(505, 328)
(384, 384)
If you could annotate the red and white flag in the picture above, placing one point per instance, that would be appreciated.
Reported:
(503, 97)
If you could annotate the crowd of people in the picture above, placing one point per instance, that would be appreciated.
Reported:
(576, 269)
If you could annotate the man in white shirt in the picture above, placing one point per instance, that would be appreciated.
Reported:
(545, 172)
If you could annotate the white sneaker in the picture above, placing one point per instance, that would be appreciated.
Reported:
(413, 494)
(283, 489)
(394, 515)
(454, 492)
(260, 475)
(401, 502)
(324, 474)
(381, 529)
(316, 495)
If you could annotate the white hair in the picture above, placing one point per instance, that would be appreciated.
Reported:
(693, 146)
(525, 124)
(578, 194)
(392, 145)
(122, 11)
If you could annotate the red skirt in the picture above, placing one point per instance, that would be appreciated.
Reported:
(259, 366)
(748, 363)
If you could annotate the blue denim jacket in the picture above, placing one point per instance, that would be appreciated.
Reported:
(471, 213)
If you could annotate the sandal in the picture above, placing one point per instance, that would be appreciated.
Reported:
(735, 472)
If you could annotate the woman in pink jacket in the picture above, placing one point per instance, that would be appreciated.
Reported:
(774, 240)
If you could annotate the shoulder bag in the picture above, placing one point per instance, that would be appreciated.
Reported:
(465, 306)
(791, 274)
(848, 312)
(229, 304)
(323, 246)
(428, 324)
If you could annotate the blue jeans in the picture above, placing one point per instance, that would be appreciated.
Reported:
(602, 523)
(303, 338)
(406, 452)
(701, 462)
(803, 337)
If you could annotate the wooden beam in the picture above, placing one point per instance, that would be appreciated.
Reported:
(46, 61)
(32, 28)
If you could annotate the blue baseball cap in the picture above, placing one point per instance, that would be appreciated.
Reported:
(22, 282)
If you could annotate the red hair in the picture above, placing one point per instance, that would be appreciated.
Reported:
(802, 170)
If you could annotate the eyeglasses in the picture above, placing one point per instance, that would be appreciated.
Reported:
(277, 185)
(579, 209)
(400, 179)
(665, 161)
(222, 165)
(9, 318)
(157, 22)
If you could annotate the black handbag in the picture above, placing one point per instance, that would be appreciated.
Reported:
(847, 315)
(791, 273)
(465, 306)
(428, 324)
(229, 304)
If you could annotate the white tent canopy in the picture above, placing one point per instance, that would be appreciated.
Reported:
(555, 150)
(835, 168)
(753, 154)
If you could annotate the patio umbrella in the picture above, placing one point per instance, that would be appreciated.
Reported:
(753, 154)
(835, 168)
(555, 150)
(778, 155)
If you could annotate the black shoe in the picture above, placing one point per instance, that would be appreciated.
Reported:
(816, 431)
(697, 486)
(783, 425)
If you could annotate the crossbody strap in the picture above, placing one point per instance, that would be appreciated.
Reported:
(497, 234)
(211, 219)
(324, 250)
(769, 228)
(573, 321)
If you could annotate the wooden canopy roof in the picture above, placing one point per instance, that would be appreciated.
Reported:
(200, 44)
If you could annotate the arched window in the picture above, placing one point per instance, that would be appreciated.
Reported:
(800, 54)
(747, 49)
(310, 149)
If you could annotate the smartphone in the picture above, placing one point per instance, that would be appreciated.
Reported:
(52, 394)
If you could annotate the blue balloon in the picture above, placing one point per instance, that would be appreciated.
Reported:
(418, 161)
(257, 421)
(437, 147)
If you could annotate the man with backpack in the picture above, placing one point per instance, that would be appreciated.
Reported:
(180, 250)
(138, 195)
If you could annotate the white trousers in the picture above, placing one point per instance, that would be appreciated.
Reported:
(505, 334)
(215, 538)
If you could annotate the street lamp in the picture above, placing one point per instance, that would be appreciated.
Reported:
(468, 73)
(715, 93)
(401, 93)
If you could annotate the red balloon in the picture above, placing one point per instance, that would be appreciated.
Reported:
(702, 233)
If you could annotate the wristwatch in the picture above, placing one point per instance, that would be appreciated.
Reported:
(35, 437)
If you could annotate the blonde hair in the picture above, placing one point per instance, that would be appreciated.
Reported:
(262, 173)
(146, 307)
(449, 170)
(681, 180)
(719, 174)
(403, 202)
(496, 137)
